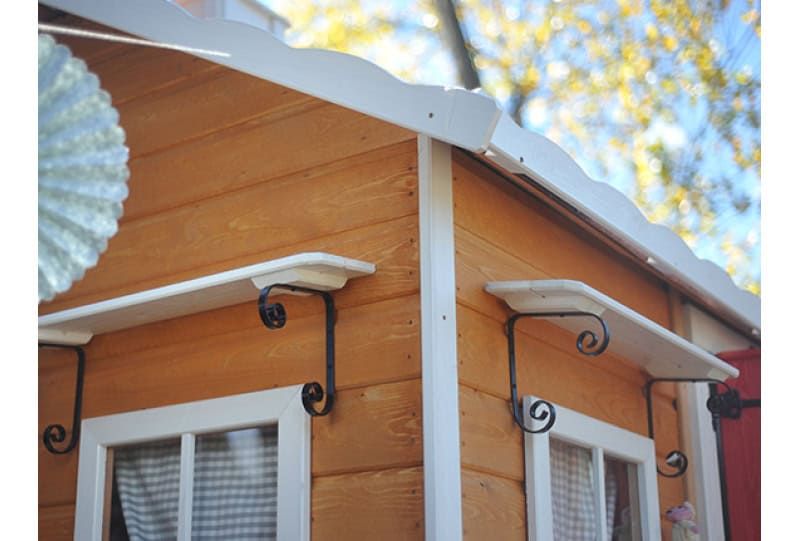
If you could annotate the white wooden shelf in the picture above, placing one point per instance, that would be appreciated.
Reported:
(662, 353)
(322, 271)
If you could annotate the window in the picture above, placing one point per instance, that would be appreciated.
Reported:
(236, 467)
(587, 480)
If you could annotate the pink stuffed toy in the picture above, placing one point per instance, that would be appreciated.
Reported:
(684, 527)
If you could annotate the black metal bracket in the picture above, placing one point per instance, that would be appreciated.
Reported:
(728, 404)
(588, 343)
(56, 433)
(274, 317)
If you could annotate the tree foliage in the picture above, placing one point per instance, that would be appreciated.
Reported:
(659, 97)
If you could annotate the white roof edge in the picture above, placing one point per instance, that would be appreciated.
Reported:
(524, 152)
(452, 115)
(456, 116)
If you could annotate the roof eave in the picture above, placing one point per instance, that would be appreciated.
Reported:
(456, 116)
(453, 115)
(526, 153)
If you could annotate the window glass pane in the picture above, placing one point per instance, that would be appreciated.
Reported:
(236, 485)
(572, 492)
(147, 479)
(622, 505)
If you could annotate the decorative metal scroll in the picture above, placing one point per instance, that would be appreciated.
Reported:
(588, 343)
(274, 317)
(728, 404)
(56, 433)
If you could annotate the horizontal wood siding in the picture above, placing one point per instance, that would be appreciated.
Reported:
(56, 522)
(504, 234)
(379, 504)
(225, 168)
(227, 171)
(493, 507)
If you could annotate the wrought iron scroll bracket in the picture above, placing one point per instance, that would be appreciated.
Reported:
(273, 315)
(728, 404)
(56, 433)
(588, 343)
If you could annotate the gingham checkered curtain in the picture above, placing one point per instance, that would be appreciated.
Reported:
(235, 487)
(148, 481)
(573, 494)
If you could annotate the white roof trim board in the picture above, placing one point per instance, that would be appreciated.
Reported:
(523, 152)
(455, 116)
(468, 120)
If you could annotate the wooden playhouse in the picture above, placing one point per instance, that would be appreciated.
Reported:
(450, 253)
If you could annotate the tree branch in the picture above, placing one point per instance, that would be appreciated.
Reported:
(453, 36)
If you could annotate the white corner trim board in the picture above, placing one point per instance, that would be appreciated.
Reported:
(662, 353)
(468, 120)
(441, 442)
(314, 270)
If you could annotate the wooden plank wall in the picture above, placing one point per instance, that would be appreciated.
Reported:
(503, 234)
(228, 171)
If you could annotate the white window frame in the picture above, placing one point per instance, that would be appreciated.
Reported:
(602, 438)
(282, 406)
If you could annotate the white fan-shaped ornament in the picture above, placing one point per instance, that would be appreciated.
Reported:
(82, 168)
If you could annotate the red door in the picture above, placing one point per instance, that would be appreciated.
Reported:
(741, 440)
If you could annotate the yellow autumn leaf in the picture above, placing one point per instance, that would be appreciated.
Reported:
(753, 287)
(626, 72)
(531, 77)
(750, 17)
(542, 33)
(641, 65)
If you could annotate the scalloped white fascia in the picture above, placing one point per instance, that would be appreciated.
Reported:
(469, 120)
(527, 153)
(453, 115)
